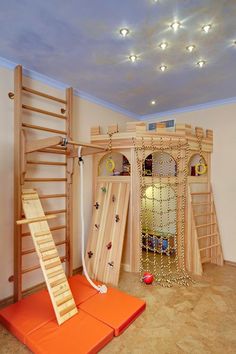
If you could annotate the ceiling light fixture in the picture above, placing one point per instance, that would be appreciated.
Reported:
(163, 67)
(190, 48)
(124, 32)
(153, 102)
(201, 63)
(133, 58)
(163, 45)
(175, 25)
(206, 28)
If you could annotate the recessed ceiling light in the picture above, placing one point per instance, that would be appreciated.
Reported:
(206, 28)
(163, 45)
(201, 63)
(133, 58)
(163, 67)
(175, 25)
(190, 48)
(124, 32)
(153, 102)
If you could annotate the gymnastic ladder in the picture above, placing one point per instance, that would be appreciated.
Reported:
(21, 128)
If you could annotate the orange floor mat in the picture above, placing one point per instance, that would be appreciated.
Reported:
(81, 289)
(81, 334)
(116, 309)
(28, 314)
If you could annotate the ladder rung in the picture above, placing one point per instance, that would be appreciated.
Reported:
(61, 211)
(208, 247)
(45, 179)
(55, 228)
(38, 127)
(46, 249)
(32, 250)
(30, 269)
(208, 259)
(67, 309)
(42, 94)
(49, 163)
(203, 203)
(58, 282)
(205, 236)
(64, 300)
(53, 151)
(43, 111)
(61, 291)
(52, 265)
(44, 240)
(50, 256)
(36, 219)
(42, 233)
(49, 196)
(203, 225)
(206, 214)
(200, 193)
(53, 274)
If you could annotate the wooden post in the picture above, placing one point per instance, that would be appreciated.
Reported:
(69, 173)
(17, 181)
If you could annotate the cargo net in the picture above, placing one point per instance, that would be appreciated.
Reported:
(163, 169)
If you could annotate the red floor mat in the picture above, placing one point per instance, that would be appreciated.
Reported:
(116, 309)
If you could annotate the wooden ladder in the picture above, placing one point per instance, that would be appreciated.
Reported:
(205, 225)
(50, 262)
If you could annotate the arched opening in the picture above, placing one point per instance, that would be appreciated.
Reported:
(197, 165)
(160, 164)
(114, 164)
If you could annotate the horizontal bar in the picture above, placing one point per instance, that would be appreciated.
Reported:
(33, 220)
(204, 203)
(30, 269)
(49, 196)
(200, 193)
(49, 163)
(53, 151)
(42, 111)
(32, 250)
(210, 235)
(59, 211)
(55, 228)
(42, 94)
(39, 127)
(205, 225)
(206, 214)
(208, 247)
(45, 179)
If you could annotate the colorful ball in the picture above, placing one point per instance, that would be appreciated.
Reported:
(164, 244)
(148, 278)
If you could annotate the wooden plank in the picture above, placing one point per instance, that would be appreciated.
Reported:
(48, 255)
(35, 220)
(39, 127)
(47, 163)
(45, 179)
(35, 145)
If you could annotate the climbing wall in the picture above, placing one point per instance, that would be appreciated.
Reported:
(55, 278)
(105, 243)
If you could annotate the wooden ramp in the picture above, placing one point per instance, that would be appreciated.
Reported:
(55, 278)
(206, 244)
(105, 243)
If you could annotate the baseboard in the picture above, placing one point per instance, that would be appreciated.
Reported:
(231, 263)
(9, 300)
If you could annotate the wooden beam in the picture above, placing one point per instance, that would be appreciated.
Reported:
(42, 111)
(36, 145)
(42, 94)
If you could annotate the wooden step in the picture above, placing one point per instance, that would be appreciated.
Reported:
(208, 247)
(67, 309)
(209, 259)
(50, 256)
(64, 300)
(202, 203)
(205, 236)
(205, 225)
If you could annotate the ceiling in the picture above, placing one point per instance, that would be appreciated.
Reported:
(78, 43)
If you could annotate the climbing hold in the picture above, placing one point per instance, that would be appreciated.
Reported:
(148, 278)
(104, 189)
(111, 264)
(90, 254)
(117, 218)
(200, 168)
(96, 226)
(109, 245)
(96, 205)
(113, 198)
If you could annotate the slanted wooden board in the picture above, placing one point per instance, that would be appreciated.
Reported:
(105, 243)
(54, 275)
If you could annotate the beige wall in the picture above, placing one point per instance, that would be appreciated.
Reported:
(86, 114)
(222, 119)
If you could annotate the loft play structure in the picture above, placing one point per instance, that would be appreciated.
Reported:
(153, 212)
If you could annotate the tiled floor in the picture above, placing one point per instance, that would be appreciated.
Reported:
(199, 319)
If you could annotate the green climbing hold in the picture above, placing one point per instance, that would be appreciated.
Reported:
(104, 189)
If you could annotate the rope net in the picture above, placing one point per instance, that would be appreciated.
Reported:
(163, 170)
